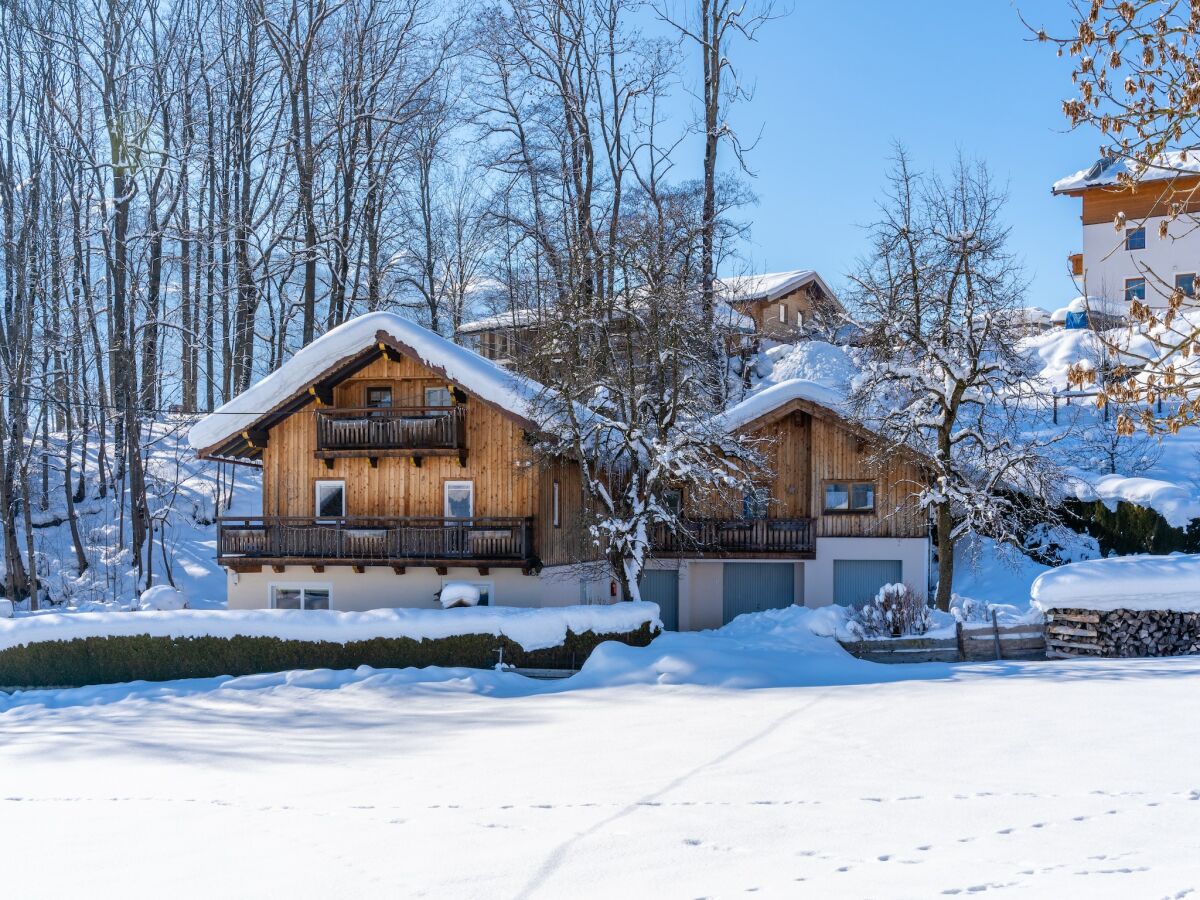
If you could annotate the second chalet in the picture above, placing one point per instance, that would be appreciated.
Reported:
(394, 461)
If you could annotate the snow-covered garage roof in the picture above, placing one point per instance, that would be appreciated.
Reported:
(489, 382)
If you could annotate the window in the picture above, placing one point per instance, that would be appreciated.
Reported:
(1185, 283)
(331, 499)
(556, 504)
(799, 318)
(379, 397)
(1135, 239)
(755, 502)
(300, 596)
(673, 500)
(849, 496)
(438, 396)
(783, 313)
(459, 499)
(486, 589)
(1135, 289)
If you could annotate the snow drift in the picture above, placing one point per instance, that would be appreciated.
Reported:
(533, 629)
(1122, 582)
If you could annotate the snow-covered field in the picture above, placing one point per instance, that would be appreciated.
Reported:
(845, 779)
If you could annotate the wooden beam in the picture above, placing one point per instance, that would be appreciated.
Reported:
(399, 570)
(323, 394)
(374, 461)
(416, 461)
(318, 569)
(483, 570)
(329, 463)
(256, 438)
(441, 570)
(277, 569)
(462, 458)
(358, 570)
(390, 353)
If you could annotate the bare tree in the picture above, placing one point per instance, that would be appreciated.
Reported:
(942, 381)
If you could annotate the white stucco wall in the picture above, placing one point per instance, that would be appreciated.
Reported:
(378, 586)
(1107, 263)
(913, 554)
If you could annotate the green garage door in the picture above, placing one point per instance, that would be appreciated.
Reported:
(662, 587)
(856, 581)
(753, 587)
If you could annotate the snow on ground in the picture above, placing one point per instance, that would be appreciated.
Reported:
(844, 779)
(533, 629)
(183, 498)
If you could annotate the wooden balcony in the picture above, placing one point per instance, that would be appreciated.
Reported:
(414, 431)
(791, 538)
(245, 543)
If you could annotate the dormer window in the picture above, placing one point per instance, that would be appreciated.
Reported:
(1135, 239)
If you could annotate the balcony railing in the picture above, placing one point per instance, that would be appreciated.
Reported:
(423, 428)
(733, 536)
(361, 540)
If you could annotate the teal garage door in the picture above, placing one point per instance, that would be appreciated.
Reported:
(856, 581)
(753, 587)
(662, 587)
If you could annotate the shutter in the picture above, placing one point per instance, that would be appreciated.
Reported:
(662, 587)
(753, 587)
(856, 581)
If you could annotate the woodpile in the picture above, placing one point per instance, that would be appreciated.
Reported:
(1121, 633)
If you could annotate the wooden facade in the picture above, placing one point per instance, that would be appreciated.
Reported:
(807, 447)
(768, 322)
(526, 512)
(1102, 203)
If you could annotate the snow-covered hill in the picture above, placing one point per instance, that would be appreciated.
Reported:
(184, 494)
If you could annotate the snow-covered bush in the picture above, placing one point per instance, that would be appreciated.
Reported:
(1054, 545)
(458, 593)
(161, 597)
(897, 610)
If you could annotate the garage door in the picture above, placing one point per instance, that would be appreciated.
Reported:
(753, 587)
(856, 581)
(662, 587)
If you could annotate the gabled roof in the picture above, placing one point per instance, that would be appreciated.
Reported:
(762, 403)
(346, 349)
(1108, 170)
(770, 286)
(530, 318)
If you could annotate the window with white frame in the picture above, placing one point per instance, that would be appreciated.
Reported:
(799, 318)
(459, 499)
(330, 499)
(486, 589)
(300, 596)
(783, 313)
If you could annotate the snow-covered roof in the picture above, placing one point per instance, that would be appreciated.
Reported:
(1122, 582)
(464, 367)
(769, 399)
(1108, 170)
(523, 318)
(769, 285)
(1031, 315)
(516, 318)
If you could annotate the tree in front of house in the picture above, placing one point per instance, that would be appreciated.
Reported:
(941, 377)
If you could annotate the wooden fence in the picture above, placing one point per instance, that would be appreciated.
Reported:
(973, 643)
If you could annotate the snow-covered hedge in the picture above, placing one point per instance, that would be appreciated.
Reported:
(95, 648)
(1169, 583)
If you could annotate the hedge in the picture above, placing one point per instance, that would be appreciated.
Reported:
(105, 660)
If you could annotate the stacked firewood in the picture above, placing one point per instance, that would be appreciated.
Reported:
(1121, 632)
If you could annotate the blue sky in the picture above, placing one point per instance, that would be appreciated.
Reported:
(837, 83)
